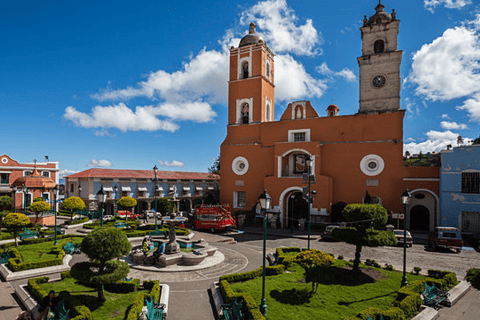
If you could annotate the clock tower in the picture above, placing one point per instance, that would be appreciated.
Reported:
(380, 63)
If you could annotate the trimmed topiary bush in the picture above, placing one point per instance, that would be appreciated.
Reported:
(473, 276)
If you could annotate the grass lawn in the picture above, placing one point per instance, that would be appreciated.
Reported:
(41, 251)
(289, 297)
(113, 308)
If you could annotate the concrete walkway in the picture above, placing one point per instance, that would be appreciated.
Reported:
(9, 308)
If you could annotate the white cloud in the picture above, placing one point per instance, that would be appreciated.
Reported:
(448, 68)
(99, 163)
(450, 4)
(120, 117)
(453, 125)
(66, 172)
(293, 82)
(103, 133)
(445, 116)
(278, 25)
(345, 73)
(472, 106)
(436, 141)
(174, 163)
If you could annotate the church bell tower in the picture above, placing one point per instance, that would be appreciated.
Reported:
(251, 88)
(380, 63)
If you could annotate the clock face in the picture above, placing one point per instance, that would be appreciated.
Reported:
(378, 81)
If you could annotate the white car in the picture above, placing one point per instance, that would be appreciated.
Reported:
(107, 217)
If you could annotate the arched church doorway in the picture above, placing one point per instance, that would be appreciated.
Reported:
(297, 209)
(420, 218)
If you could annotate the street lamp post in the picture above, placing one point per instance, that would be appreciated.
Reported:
(155, 169)
(292, 197)
(308, 162)
(264, 200)
(115, 189)
(101, 200)
(24, 190)
(405, 200)
(55, 189)
(14, 189)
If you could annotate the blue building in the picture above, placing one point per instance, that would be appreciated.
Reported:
(460, 189)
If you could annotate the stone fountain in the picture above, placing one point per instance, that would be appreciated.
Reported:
(172, 220)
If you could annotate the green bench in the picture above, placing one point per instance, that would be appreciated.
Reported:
(121, 225)
(154, 310)
(59, 311)
(433, 296)
(71, 247)
(156, 233)
(29, 234)
(4, 256)
(233, 311)
(370, 318)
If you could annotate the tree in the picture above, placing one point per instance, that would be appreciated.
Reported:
(336, 213)
(363, 217)
(215, 168)
(101, 246)
(164, 206)
(37, 199)
(14, 222)
(5, 202)
(38, 207)
(314, 262)
(459, 140)
(477, 140)
(407, 154)
(73, 204)
(127, 202)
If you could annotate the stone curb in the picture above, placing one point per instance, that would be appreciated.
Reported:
(12, 276)
(217, 299)
(164, 297)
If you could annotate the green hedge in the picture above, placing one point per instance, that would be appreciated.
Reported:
(449, 277)
(77, 221)
(245, 276)
(473, 276)
(287, 261)
(134, 310)
(249, 306)
(123, 286)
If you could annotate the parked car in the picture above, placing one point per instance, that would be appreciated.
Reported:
(446, 237)
(399, 235)
(107, 217)
(327, 234)
(150, 213)
(129, 214)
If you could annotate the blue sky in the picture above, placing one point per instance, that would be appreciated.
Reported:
(133, 84)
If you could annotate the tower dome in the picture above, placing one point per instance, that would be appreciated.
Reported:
(379, 17)
(252, 37)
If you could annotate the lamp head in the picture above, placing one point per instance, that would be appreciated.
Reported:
(308, 160)
(264, 200)
(406, 197)
(155, 169)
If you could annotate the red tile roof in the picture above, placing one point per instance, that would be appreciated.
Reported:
(116, 173)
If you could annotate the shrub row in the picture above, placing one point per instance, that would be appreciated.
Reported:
(409, 297)
(78, 310)
(249, 306)
(134, 310)
(245, 276)
(473, 276)
(123, 286)
(15, 264)
(77, 221)
(287, 261)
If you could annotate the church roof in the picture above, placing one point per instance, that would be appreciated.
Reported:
(117, 173)
(332, 107)
(252, 37)
(380, 16)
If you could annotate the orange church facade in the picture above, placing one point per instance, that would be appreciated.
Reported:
(351, 154)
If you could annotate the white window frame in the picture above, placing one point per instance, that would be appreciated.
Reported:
(235, 200)
(291, 134)
(268, 110)
(240, 103)
(240, 67)
(46, 172)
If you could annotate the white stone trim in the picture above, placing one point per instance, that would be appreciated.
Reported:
(237, 163)
(240, 66)
(301, 103)
(268, 106)
(280, 201)
(370, 171)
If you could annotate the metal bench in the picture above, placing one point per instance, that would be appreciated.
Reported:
(71, 247)
(121, 225)
(4, 256)
(59, 311)
(433, 296)
(29, 234)
(154, 310)
(233, 311)
(370, 318)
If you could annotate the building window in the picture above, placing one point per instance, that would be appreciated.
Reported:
(245, 113)
(245, 70)
(27, 173)
(378, 46)
(5, 178)
(46, 174)
(300, 165)
(470, 182)
(240, 165)
(71, 187)
(239, 199)
(299, 137)
(470, 222)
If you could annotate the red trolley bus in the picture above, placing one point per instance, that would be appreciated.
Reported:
(212, 217)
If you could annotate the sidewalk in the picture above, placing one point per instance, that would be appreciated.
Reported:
(315, 234)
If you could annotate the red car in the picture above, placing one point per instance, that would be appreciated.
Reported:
(446, 237)
(129, 215)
